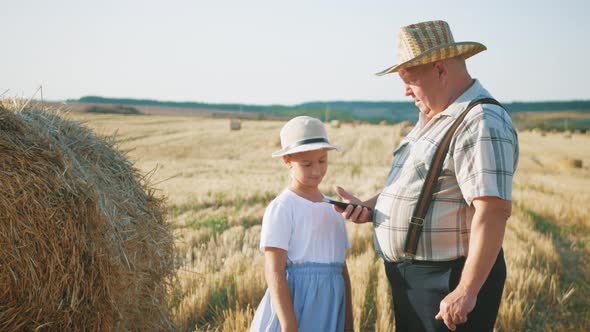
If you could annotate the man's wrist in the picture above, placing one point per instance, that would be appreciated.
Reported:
(468, 289)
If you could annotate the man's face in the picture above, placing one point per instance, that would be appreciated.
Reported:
(422, 83)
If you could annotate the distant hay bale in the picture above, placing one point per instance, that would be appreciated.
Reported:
(275, 143)
(83, 243)
(335, 124)
(406, 124)
(569, 163)
(383, 123)
(235, 124)
(404, 131)
(404, 128)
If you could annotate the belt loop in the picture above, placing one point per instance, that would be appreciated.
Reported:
(408, 258)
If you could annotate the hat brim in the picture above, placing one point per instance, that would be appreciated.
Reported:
(305, 148)
(465, 49)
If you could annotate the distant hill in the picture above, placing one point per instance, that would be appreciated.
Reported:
(373, 112)
(112, 109)
(364, 111)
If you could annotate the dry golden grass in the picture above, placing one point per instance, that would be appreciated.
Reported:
(219, 181)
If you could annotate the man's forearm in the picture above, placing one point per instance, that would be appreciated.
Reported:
(486, 237)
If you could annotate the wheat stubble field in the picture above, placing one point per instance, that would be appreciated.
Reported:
(218, 183)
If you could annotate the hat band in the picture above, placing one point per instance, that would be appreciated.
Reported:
(306, 141)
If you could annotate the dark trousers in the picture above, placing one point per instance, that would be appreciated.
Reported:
(419, 287)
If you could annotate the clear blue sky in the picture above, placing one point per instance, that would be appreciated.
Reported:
(286, 52)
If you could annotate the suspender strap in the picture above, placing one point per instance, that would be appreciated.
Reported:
(417, 221)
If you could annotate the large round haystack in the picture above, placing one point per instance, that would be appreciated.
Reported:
(83, 243)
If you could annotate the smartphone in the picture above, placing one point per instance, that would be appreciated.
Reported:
(341, 204)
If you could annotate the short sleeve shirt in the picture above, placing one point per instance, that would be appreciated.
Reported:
(308, 231)
(481, 161)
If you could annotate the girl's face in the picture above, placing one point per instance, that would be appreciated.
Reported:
(307, 168)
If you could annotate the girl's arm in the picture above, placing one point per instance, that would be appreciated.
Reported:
(348, 319)
(275, 260)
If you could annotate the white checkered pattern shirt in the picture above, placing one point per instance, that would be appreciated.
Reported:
(481, 162)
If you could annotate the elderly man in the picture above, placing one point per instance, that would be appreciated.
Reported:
(445, 266)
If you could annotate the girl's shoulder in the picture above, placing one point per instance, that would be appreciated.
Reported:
(285, 199)
(281, 204)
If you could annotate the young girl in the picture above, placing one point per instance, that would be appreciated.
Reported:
(304, 242)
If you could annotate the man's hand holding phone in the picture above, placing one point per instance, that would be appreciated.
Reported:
(353, 208)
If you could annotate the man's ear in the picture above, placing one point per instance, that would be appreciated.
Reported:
(442, 70)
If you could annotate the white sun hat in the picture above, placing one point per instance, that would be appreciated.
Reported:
(303, 133)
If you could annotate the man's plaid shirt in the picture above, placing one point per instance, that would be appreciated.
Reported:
(481, 162)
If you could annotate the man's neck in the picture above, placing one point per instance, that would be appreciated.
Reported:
(459, 88)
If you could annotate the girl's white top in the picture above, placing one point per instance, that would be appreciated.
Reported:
(308, 231)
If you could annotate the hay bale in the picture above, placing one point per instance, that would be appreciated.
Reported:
(569, 164)
(274, 142)
(404, 131)
(235, 124)
(406, 123)
(83, 243)
(405, 127)
(335, 124)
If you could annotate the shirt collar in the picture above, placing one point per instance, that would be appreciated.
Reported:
(475, 91)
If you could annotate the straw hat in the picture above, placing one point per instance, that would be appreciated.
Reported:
(301, 134)
(428, 42)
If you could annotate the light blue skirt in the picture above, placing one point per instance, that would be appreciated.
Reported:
(318, 295)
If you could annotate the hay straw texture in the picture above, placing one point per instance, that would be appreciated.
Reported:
(83, 243)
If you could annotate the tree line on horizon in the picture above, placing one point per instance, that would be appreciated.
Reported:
(369, 111)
